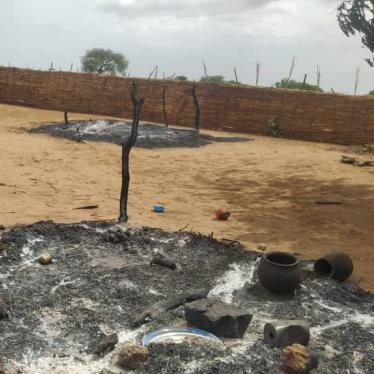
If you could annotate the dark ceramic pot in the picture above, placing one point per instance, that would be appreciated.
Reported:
(336, 265)
(279, 272)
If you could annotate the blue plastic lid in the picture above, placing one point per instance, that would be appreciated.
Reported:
(158, 209)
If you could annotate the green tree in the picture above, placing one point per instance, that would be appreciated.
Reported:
(213, 79)
(292, 84)
(104, 61)
(181, 78)
(357, 16)
(371, 92)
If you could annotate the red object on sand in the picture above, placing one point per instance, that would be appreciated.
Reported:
(222, 215)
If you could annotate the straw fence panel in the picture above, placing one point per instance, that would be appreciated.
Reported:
(304, 115)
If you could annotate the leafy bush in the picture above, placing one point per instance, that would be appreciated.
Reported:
(213, 79)
(292, 84)
(180, 78)
(274, 126)
(371, 92)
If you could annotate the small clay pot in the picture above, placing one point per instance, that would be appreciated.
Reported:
(336, 265)
(279, 272)
(285, 333)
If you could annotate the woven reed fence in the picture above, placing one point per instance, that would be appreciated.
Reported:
(304, 115)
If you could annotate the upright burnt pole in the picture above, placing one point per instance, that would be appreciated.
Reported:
(197, 110)
(126, 149)
(164, 106)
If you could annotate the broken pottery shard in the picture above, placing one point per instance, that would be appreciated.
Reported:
(106, 344)
(219, 318)
(296, 359)
(222, 215)
(45, 259)
(132, 356)
(285, 333)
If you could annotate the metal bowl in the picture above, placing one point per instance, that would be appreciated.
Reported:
(177, 335)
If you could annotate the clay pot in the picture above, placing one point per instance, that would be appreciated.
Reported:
(336, 265)
(279, 272)
(285, 333)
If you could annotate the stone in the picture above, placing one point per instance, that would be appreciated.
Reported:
(262, 247)
(2, 367)
(8, 369)
(296, 359)
(132, 356)
(218, 318)
(106, 344)
(348, 159)
(3, 307)
(162, 259)
(45, 259)
(362, 163)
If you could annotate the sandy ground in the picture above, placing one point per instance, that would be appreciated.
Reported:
(270, 186)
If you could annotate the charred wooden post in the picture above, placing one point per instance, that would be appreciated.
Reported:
(258, 67)
(205, 71)
(304, 81)
(66, 119)
(164, 106)
(236, 76)
(171, 303)
(126, 149)
(154, 71)
(292, 68)
(197, 107)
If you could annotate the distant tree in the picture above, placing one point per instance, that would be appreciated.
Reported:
(371, 92)
(292, 84)
(181, 78)
(104, 61)
(213, 79)
(357, 16)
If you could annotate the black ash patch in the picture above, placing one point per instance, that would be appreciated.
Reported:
(101, 279)
(149, 135)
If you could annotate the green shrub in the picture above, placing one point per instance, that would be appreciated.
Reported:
(274, 126)
(292, 84)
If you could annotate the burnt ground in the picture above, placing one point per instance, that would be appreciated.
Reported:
(101, 280)
(149, 136)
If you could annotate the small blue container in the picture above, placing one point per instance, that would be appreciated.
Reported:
(158, 208)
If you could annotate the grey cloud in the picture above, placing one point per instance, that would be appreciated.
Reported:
(180, 9)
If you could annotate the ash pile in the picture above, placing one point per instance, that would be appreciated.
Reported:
(112, 131)
(83, 310)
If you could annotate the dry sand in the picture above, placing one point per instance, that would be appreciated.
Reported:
(270, 186)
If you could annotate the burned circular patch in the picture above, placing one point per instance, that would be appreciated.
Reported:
(149, 135)
(101, 279)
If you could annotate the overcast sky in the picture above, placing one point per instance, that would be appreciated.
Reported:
(178, 34)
